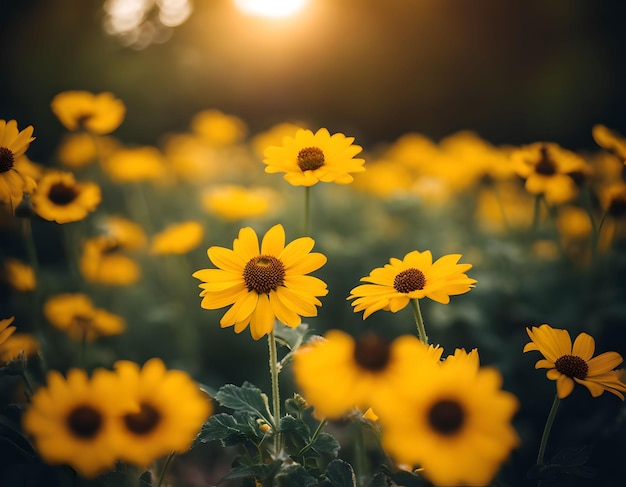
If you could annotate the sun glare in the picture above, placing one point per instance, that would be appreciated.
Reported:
(271, 8)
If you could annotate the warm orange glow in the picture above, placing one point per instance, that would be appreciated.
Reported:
(271, 8)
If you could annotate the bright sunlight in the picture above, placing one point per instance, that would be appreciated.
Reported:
(271, 8)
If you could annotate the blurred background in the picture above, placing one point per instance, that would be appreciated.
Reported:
(515, 72)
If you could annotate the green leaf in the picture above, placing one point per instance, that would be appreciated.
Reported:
(379, 480)
(295, 433)
(406, 479)
(246, 398)
(326, 444)
(289, 337)
(294, 475)
(567, 462)
(340, 474)
(229, 430)
(261, 472)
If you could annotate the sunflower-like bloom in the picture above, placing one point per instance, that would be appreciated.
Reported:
(180, 238)
(338, 373)
(569, 364)
(414, 277)
(19, 276)
(76, 315)
(453, 420)
(13, 144)
(73, 421)
(104, 261)
(550, 170)
(263, 285)
(308, 158)
(171, 410)
(60, 198)
(98, 114)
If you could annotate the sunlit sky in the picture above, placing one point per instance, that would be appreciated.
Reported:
(271, 8)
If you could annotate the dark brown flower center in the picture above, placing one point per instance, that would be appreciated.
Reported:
(61, 194)
(371, 352)
(6, 159)
(446, 417)
(409, 280)
(572, 366)
(264, 273)
(617, 206)
(310, 158)
(144, 421)
(546, 165)
(83, 118)
(84, 422)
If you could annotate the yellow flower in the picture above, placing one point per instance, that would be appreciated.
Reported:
(385, 178)
(99, 114)
(17, 343)
(274, 135)
(414, 277)
(73, 421)
(609, 140)
(13, 144)
(191, 159)
(218, 129)
(60, 198)
(177, 239)
(103, 261)
(453, 420)
(337, 373)
(135, 164)
(233, 202)
(470, 359)
(76, 315)
(550, 170)
(79, 149)
(20, 276)
(613, 199)
(126, 234)
(308, 158)
(569, 364)
(171, 410)
(5, 329)
(263, 285)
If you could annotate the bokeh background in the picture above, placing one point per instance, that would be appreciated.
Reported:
(513, 72)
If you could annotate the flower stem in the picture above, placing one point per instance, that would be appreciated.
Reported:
(307, 210)
(419, 321)
(275, 391)
(318, 430)
(547, 428)
(168, 460)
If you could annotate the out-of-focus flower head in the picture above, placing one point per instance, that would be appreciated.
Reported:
(19, 276)
(233, 202)
(82, 110)
(104, 261)
(218, 129)
(134, 164)
(610, 140)
(179, 238)
(79, 149)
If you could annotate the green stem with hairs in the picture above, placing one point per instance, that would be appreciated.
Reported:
(419, 321)
(307, 210)
(168, 460)
(547, 428)
(273, 359)
(318, 430)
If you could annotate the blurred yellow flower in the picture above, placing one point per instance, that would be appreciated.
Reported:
(414, 277)
(613, 199)
(338, 373)
(76, 315)
(5, 329)
(171, 410)
(28, 168)
(103, 261)
(308, 158)
(453, 420)
(504, 206)
(217, 128)
(234, 202)
(191, 159)
(16, 344)
(98, 114)
(609, 140)
(19, 276)
(59, 197)
(470, 359)
(73, 421)
(79, 149)
(573, 223)
(135, 164)
(13, 144)
(274, 136)
(126, 234)
(550, 170)
(384, 178)
(179, 238)
(264, 285)
(569, 364)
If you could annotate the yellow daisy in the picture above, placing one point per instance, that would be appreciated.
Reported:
(308, 158)
(338, 373)
(73, 421)
(414, 277)
(263, 285)
(171, 410)
(453, 420)
(180, 238)
(13, 144)
(550, 170)
(20, 276)
(569, 364)
(60, 198)
(76, 315)
(99, 114)
(103, 261)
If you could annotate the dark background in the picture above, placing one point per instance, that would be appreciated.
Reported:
(515, 72)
